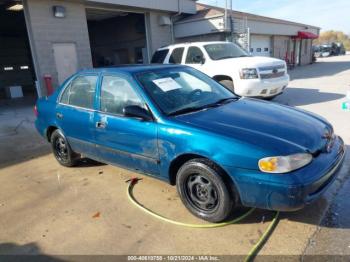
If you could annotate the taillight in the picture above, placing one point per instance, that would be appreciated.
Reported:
(36, 113)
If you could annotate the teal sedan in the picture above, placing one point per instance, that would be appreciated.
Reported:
(179, 125)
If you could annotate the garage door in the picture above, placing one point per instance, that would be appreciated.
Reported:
(260, 45)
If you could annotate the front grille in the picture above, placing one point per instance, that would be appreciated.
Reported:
(268, 72)
(272, 75)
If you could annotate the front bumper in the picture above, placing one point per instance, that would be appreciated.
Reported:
(292, 191)
(261, 87)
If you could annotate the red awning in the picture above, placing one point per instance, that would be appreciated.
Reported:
(306, 35)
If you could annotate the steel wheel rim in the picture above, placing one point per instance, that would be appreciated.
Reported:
(201, 193)
(61, 149)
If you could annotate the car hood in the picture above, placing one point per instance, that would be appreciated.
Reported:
(252, 61)
(279, 129)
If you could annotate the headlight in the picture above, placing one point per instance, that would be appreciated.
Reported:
(248, 73)
(284, 164)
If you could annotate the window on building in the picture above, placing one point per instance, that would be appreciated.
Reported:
(258, 50)
(266, 49)
(116, 94)
(194, 55)
(176, 55)
(159, 56)
(80, 92)
(251, 50)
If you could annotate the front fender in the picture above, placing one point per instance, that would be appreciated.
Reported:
(176, 140)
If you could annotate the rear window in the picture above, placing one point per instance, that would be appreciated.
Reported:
(159, 56)
(176, 56)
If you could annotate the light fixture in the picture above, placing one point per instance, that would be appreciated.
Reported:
(59, 11)
(15, 7)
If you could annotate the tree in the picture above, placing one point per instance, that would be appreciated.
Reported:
(328, 37)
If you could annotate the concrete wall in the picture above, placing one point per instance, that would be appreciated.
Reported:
(45, 30)
(262, 26)
(199, 27)
(186, 6)
(199, 38)
(158, 35)
(269, 28)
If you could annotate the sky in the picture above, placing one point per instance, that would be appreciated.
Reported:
(327, 14)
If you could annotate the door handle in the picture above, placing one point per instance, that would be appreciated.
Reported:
(101, 125)
(59, 115)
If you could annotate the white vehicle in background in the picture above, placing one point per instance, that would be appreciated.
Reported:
(246, 75)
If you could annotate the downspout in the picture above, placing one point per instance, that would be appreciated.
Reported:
(225, 19)
(179, 12)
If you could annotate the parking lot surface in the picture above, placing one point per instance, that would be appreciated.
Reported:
(49, 209)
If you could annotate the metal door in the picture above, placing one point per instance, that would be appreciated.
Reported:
(66, 60)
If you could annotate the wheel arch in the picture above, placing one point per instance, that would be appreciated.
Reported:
(222, 77)
(176, 164)
(49, 132)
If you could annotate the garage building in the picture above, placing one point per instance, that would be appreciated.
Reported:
(48, 40)
(261, 36)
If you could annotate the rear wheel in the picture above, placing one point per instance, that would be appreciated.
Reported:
(204, 191)
(62, 150)
(228, 84)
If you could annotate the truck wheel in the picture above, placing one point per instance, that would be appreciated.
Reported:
(228, 84)
(62, 150)
(204, 191)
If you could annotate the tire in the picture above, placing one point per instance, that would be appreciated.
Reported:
(62, 150)
(204, 190)
(228, 84)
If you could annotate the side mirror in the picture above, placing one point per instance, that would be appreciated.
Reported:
(137, 112)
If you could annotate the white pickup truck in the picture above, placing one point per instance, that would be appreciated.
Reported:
(246, 75)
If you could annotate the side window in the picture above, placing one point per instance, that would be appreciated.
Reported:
(159, 56)
(117, 93)
(80, 92)
(194, 55)
(176, 55)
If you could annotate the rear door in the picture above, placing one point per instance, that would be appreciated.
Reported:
(122, 140)
(75, 113)
(176, 55)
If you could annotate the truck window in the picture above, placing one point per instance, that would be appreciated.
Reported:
(159, 56)
(194, 55)
(176, 55)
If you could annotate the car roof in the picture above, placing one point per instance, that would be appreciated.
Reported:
(193, 43)
(129, 69)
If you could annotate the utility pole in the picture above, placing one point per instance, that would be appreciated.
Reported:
(231, 21)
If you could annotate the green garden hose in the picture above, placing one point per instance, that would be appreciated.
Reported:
(252, 253)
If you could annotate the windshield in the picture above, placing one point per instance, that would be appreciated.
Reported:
(182, 90)
(224, 50)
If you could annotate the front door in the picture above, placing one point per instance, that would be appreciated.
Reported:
(125, 141)
(75, 113)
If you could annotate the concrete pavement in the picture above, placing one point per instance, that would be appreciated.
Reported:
(48, 209)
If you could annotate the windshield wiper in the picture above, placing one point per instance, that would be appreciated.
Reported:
(186, 110)
(223, 101)
(198, 108)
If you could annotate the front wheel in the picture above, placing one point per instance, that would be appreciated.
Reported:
(204, 191)
(62, 150)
